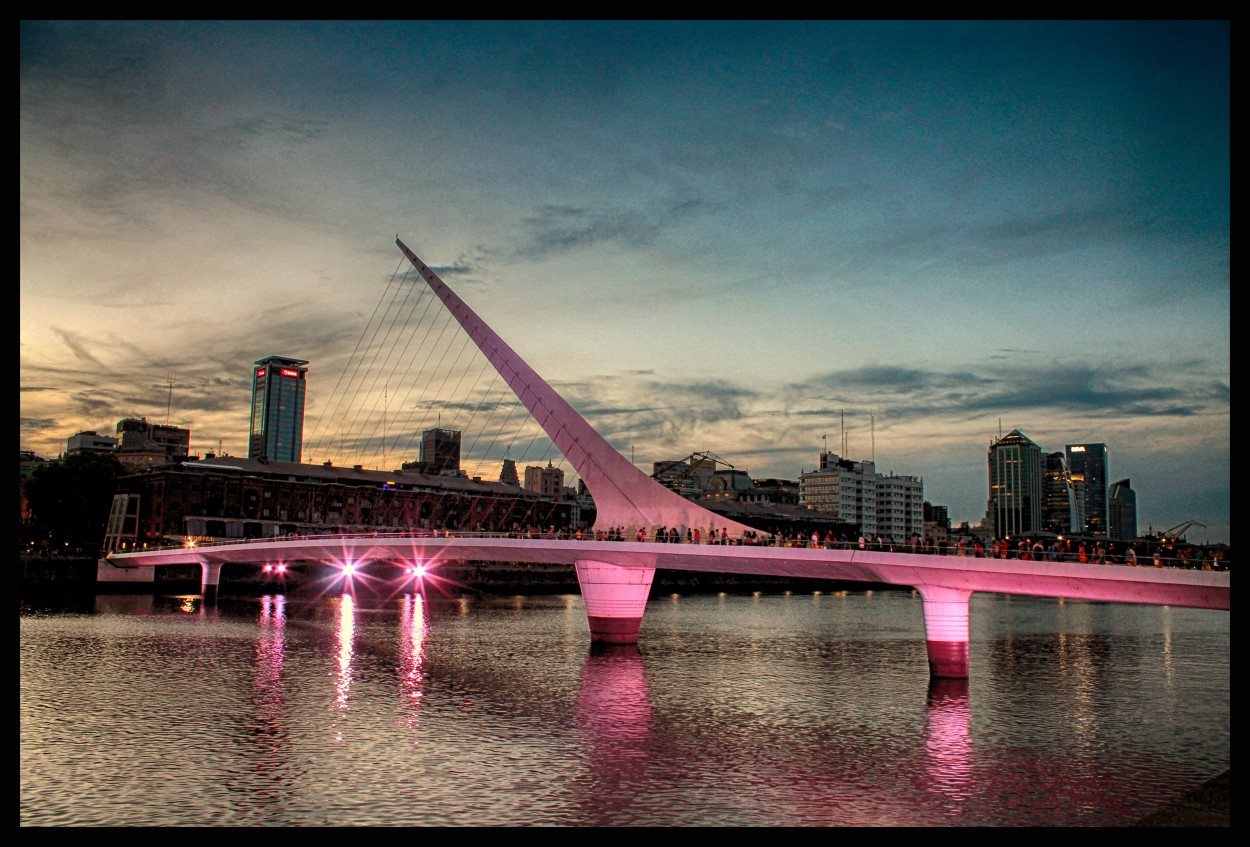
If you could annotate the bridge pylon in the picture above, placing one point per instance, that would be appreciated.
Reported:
(624, 496)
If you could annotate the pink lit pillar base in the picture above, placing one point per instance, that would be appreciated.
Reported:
(615, 600)
(210, 578)
(946, 631)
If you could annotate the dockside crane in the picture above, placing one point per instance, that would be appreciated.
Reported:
(680, 475)
(1169, 537)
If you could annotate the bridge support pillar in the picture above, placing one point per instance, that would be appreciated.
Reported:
(210, 578)
(615, 600)
(946, 631)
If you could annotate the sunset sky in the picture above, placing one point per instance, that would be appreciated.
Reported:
(753, 239)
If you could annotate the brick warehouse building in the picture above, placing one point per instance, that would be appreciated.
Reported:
(230, 497)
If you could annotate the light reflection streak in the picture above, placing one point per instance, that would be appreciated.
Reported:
(412, 654)
(258, 790)
(345, 636)
(270, 656)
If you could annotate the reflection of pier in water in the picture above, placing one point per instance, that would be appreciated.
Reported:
(639, 722)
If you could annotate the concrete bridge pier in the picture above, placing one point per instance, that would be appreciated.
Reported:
(210, 578)
(615, 600)
(946, 630)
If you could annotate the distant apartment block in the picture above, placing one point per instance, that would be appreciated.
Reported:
(89, 442)
(548, 481)
(887, 505)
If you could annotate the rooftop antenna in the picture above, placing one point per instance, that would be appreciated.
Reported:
(873, 415)
(169, 402)
(844, 434)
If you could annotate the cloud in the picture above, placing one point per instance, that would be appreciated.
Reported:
(554, 230)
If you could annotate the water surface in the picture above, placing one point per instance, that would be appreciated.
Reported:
(735, 710)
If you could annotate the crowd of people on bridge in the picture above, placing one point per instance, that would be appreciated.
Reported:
(1093, 552)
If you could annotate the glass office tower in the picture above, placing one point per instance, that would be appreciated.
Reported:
(277, 432)
(1015, 465)
(1089, 463)
(1059, 512)
(1122, 511)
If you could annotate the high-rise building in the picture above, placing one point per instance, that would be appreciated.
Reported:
(1121, 511)
(1059, 513)
(1088, 462)
(277, 430)
(440, 452)
(1015, 466)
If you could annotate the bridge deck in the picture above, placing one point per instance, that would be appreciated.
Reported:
(1147, 585)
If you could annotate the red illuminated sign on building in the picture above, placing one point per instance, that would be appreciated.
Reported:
(260, 373)
(289, 372)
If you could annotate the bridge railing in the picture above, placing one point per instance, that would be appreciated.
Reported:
(1163, 559)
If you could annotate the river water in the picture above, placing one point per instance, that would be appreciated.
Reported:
(803, 709)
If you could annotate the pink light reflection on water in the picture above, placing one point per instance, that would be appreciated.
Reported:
(411, 669)
(345, 632)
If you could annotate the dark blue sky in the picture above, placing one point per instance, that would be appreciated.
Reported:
(735, 236)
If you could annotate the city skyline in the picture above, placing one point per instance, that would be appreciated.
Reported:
(709, 236)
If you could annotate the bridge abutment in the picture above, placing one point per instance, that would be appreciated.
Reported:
(106, 571)
(615, 600)
(946, 631)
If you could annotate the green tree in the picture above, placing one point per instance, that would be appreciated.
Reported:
(70, 500)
